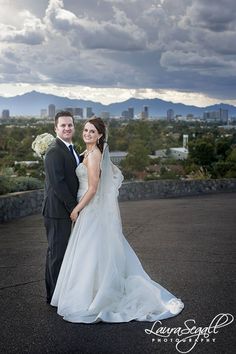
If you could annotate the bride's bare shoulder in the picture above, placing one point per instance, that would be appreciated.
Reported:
(94, 157)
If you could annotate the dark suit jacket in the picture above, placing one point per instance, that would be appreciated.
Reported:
(61, 182)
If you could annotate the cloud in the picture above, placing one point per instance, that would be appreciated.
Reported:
(119, 34)
(182, 45)
(217, 16)
(57, 17)
(32, 32)
(178, 60)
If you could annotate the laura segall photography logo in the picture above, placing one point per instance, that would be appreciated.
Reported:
(187, 337)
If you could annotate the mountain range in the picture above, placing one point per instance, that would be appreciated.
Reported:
(32, 102)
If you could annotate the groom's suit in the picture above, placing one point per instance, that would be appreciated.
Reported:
(61, 186)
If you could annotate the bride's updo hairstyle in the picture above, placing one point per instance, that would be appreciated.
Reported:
(101, 128)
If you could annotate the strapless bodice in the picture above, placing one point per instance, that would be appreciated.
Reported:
(82, 174)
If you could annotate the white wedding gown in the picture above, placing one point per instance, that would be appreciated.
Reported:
(101, 278)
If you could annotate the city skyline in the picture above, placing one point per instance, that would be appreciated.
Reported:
(37, 104)
(112, 50)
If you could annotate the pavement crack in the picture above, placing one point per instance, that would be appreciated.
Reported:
(21, 284)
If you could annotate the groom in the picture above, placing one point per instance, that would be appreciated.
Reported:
(61, 186)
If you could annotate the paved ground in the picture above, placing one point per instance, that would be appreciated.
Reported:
(185, 244)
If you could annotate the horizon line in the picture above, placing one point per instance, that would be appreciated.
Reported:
(115, 102)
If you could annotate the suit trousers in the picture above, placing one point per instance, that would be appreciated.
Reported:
(58, 233)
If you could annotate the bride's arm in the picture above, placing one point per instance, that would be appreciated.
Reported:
(93, 169)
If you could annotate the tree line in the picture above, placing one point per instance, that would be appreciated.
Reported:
(212, 151)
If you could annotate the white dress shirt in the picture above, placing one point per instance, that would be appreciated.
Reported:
(68, 144)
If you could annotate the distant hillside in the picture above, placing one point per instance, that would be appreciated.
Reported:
(32, 102)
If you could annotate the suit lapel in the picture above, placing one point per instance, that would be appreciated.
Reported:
(65, 148)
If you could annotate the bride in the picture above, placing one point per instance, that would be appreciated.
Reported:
(101, 277)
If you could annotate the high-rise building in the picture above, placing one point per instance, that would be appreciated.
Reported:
(5, 114)
(89, 112)
(69, 109)
(170, 114)
(130, 112)
(224, 115)
(145, 113)
(78, 112)
(190, 116)
(51, 110)
(210, 116)
(105, 115)
(125, 114)
(43, 113)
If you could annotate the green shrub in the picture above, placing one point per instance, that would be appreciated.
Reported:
(4, 185)
(231, 174)
(18, 184)
(152, 177)
(223, 169)
(169, 175)
(27, 183)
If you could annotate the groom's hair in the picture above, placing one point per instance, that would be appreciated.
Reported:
(63, 114)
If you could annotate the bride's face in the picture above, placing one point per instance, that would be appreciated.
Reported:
(90, 134)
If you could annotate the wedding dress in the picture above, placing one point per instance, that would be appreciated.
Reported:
(101, 277)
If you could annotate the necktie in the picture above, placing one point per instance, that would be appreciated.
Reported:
(72, 151)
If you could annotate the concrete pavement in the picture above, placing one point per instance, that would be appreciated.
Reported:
(188, 245)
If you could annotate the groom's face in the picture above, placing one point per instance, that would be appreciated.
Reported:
(65, 128)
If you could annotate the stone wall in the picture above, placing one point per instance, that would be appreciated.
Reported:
(174, 188)
(16, 205)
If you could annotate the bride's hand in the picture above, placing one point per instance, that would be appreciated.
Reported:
(74, 214)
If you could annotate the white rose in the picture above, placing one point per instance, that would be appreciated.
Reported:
(42, 143)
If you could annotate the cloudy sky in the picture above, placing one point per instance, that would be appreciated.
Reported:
(110, 50)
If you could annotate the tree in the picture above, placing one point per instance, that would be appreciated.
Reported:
(223, 148)
(232, 156)
(137, 158)
(202, 152)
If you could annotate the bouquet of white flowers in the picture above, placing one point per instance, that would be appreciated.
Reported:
(42, 143)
